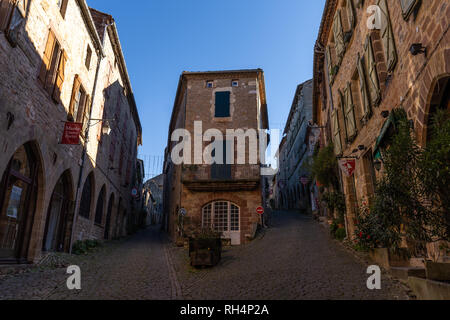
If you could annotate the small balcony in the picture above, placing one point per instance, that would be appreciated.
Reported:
(205, 178)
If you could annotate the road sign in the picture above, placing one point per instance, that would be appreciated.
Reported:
(183, 212)
(134, 192)
(260, 210)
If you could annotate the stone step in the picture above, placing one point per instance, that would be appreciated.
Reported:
(403, 273)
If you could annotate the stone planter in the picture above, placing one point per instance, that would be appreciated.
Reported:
(205, 252)
(437, 271)
(386, 259)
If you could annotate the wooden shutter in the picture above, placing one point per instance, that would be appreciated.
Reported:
(336, 133)
(329, 65)
(372, 76)
(344, 110)
(338, 36)
(47, 58)
(350, 120)
(408, 7)
(64, 7)
(76, 88)
(86, 113)
(222, 104)
(387, 36)
(359, 3)
(363, 88)
(60, 77)
(350, 14)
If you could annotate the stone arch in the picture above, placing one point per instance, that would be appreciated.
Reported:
(87, 197)
(438, 95)
(21, 199)
(100, 206)
(59, 215)
(109, 212)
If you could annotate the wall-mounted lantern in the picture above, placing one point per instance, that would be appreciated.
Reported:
(418, 48)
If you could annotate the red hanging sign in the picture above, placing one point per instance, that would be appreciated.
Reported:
(71, 135)
(348, 167)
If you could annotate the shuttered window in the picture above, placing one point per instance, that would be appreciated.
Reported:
(222, 105)
(350, 14)
(336, 133)
(372, 75)
(365, 104)
(330, 65)
(349, 113)
(408, 7)
(387, 36)
(78, 100)
(52, 71)
(60, 77)
(338, 36)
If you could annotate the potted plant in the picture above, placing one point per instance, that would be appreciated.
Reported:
(205, 248)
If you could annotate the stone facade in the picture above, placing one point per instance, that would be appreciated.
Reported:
(194, 187)
(295, 154)
(40, 44)
(364, 73)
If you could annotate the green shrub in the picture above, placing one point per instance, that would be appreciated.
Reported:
(340, 234)
(84, 247)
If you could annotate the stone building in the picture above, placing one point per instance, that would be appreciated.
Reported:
(221, 196)
(369, 60)
(293, 176)
(51, 194)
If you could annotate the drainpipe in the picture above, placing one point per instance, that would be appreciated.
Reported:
(86, 141)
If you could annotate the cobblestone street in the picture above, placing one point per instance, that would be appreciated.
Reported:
(294, 259)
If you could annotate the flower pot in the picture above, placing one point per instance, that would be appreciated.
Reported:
(437, 271)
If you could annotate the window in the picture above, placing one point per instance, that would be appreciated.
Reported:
(348, 110)
(235, 83)
(78, 101)
(210, 84)
(11, 17)
(331, 69)
(86, 198)
(371, 72)
(408, 7)
(222, 109)
(88, 57)
(221, 216)
(336, 133)
(364, 95)
(222, 171)
(62, 5)
(52, 71)
(387, 37)
(338, 33)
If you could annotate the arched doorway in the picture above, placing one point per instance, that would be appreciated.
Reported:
(86, 197)
(18, 196)
(440, 100)
(108, 216)
(100, 207)
(58, 216)
(224, 217)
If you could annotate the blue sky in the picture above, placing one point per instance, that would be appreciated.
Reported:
(162, 38)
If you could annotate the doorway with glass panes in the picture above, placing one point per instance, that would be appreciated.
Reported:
(223, 217)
